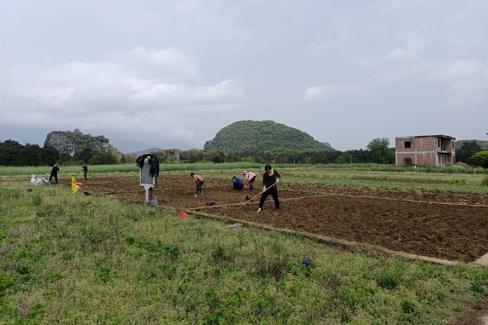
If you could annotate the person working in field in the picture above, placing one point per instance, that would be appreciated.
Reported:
(237, 183)
(84, 168)
(270, 180)
(199, 182)
(251, 177)
(54, 173)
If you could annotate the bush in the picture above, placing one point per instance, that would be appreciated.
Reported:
(408, 161)
(103, 158)
(484, 182)
(480, 159)
(458, 181)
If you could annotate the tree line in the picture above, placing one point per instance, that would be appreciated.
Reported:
(13, 153)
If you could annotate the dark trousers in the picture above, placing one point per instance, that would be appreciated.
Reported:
(238, 186)
(85, 175)
(55, 177)
(251, 182)
(273, 191)
(199, 187)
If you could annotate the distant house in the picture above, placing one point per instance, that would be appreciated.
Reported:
(425, 150)
(173, 156)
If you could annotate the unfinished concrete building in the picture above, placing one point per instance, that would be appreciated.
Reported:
(425, 150)
(173, 156)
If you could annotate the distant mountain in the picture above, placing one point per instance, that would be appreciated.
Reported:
(145, 151)
(260, 136)
(128, 146)
(482, 143)
(76, 141)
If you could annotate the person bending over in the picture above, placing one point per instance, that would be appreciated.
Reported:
(54, 173)
(271, 178)
(199, 182)
(251, 177)
(237, 183)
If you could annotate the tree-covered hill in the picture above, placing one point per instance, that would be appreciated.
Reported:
(73, 142)
(260, 136)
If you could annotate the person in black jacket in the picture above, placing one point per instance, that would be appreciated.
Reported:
(271, 178)
(84, 168)
(54, 173)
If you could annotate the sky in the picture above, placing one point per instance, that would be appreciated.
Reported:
(171, 74)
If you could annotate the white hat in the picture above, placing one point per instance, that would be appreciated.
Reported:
(245, 172)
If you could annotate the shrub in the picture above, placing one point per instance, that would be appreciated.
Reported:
(408, 161)
(458, 181)
(480, 159)
(484, 181)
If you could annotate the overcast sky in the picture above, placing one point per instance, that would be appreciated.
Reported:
(172, 73)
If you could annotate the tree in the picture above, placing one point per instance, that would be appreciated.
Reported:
(64, 157)
(49, 155)
(468, 149)
(103, 158)
(162, 158)
(30, 155)
(84, 155)
(480, 159)
(345, 158)
(10, 153)
(379, 150)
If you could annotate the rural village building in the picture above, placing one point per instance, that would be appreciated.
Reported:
(173, 156)
(425, 150)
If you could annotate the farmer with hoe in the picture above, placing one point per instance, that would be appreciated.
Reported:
(54, 173)
(270, 180)
(199, 182)
(251, 177)
(84, 168)
(237, 183)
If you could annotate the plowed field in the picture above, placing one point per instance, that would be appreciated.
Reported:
(448, 225)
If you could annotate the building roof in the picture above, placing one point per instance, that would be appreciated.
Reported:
(427, 136)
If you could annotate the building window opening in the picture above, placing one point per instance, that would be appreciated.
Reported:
(407, 144)
(438, 142)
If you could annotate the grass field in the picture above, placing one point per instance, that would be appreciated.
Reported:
(72, 259)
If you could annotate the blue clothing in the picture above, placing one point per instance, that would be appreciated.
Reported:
(238, 181)
(238, 184)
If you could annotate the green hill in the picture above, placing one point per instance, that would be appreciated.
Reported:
(260, 136)
(482, 143)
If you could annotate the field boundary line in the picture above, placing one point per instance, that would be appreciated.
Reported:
(330, 240)
(345, 195)
(390, 199)
(483, 260)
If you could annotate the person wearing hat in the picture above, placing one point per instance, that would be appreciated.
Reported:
(271, 178)
(251, 177)
(54, 173)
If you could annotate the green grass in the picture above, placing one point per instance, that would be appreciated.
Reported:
(131, 168)
(67, 258)
(344, 177)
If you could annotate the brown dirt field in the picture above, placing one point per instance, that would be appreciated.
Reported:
(384, 217)
(476, 314)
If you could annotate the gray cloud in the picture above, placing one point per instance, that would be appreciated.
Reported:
(173, 73)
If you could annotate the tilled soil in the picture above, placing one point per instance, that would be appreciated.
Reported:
(443, 231)
(401, 220)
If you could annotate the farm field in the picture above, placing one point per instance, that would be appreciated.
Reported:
(107, 258)
(443, 224)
